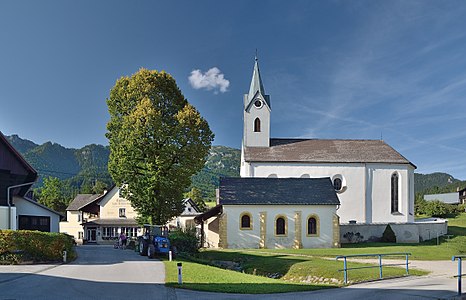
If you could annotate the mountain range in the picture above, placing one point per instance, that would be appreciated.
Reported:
(86, 165)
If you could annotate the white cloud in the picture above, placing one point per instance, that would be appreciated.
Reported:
(213, 79)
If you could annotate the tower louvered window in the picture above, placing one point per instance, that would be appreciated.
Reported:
(257, 125)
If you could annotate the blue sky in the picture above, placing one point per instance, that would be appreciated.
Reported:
(333, 69)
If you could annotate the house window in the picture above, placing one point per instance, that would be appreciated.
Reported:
(257, 125)
(245, 220)
(79, 218)
(280, 225)
(34, 223)
(394, 192)
(122, 212)
(313, 225)
(80, 235)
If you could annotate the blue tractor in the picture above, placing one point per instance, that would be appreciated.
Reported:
(154, 241)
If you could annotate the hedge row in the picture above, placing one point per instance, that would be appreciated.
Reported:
(35, 245)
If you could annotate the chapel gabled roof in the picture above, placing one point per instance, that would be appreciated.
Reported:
(277, 191)
(325, 151)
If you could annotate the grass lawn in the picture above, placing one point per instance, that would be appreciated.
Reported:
(202, 277)
(304, 269)
(428, 250)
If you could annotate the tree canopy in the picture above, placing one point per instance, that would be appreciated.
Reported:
(157, 142)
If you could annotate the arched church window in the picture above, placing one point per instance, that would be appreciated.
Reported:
(313, 225)
(280, 226)
(246, 221)
(257, 125)
(394, 192)
(337, 184)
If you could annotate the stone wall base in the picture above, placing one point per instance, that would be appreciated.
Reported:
(416, 232)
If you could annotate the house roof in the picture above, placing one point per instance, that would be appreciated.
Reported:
(193, 205)
(208, 214)
(450, 198)
(82, 200)
(325, 151)
(15, 178)
(277, 191)
(17, 154)
(42, 206)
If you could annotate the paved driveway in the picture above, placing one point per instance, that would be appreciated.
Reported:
(100, 272)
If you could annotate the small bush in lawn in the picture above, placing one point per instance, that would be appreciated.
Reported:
(388, 235)
(35, 245)
(185, 240)
(437, 208)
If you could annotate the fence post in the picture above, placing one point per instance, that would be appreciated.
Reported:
(459, 276)
(380, 266)
(407, 263)
(345, 270)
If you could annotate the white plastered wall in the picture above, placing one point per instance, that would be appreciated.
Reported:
(257, 139)
(366, 187)
(26, 208)
(238, 238)
(4, 217)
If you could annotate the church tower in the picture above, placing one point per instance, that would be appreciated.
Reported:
(256, 119)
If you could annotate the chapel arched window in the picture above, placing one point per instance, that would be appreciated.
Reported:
(394, 192)
(280, 226)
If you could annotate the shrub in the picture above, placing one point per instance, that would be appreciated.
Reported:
(437, 208)
(388, 235)
(36, 245)
(185, 240)
(462, 208)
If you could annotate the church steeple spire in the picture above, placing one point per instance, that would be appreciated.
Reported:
(256, 81)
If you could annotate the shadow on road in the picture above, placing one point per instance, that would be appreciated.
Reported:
(39, 286)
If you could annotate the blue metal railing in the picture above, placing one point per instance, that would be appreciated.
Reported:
(459, 276)
(380, 266)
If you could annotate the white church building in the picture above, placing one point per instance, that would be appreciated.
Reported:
(371, 184)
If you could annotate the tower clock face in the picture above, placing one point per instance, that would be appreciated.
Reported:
(258, 103)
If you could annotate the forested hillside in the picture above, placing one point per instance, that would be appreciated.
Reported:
(81, 168)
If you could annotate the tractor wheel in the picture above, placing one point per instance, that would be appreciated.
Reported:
(151, 251)
(143, 248)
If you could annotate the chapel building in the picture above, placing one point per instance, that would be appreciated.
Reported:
(374, 183)
(300, 193)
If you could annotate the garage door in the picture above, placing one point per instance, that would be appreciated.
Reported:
(40, 223)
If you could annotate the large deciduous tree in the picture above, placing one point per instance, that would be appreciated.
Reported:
(157, 142)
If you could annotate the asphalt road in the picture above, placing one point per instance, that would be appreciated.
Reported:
(102, 272)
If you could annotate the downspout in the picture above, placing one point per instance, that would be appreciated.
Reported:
(8, 198)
